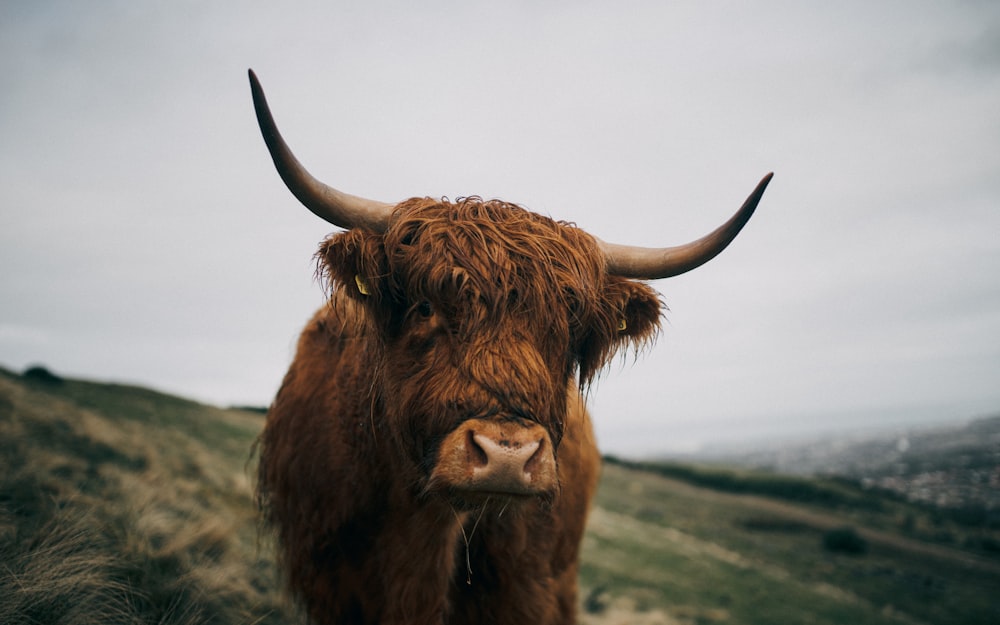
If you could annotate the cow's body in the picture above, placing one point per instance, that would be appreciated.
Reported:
(360, 547)
(428, 458)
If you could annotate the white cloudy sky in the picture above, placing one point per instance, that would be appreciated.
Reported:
(145, 237)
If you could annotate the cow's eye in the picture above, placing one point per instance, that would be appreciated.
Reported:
(513, 297)
(424, 309)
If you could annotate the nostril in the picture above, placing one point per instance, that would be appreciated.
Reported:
(536, 458)
(477, 455)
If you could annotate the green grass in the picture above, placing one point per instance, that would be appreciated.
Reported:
(827, 492)
(973, 529)
(750, 559)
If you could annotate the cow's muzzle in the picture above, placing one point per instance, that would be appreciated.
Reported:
(496, 457)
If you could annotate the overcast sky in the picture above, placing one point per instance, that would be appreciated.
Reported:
(145, 237)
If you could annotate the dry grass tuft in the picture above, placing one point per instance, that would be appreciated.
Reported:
(60, 572)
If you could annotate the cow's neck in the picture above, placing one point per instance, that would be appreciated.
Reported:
(415, 556)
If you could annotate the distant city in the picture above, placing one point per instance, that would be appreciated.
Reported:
(950, 467)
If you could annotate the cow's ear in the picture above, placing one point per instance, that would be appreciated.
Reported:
(638, 309)
(628, 316)
(355, 262)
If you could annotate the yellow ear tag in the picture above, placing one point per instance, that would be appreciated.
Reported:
(622, 326)
(362, 285)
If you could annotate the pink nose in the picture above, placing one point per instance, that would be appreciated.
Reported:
(497, 457)
(506, 463)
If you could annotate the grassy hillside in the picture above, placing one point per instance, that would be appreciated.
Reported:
(122, 505)
(705, 556)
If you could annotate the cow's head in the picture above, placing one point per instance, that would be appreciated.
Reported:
(485, 314)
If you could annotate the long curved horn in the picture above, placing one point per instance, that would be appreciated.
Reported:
(649, 263)
(340, 209)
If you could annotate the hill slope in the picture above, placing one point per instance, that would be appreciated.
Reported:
(122, 505)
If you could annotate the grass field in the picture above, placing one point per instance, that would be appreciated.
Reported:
(705, 556)
(123, 505)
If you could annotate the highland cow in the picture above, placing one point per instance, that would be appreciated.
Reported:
(428, 458)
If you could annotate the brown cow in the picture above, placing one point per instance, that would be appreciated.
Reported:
(429, 458)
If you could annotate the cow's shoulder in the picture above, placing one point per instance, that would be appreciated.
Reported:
(329, 380)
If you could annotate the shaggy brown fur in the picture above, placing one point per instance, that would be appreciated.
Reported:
(474, 310)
